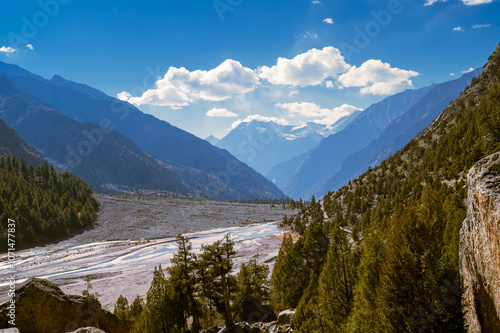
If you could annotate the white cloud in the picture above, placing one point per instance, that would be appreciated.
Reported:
(316, 2)
(377, 78)
(312, 110)
(179, 86)
(475, 2)
(467, 70)
(328, 20)
(7, 49)
(307, 69)
(452, 74)
(480, 26)
(29, 46)
(329, 84)
(293, 93)
(258, 117)
(459, 28)
(308, 34)
(220, 112)
(431, 2)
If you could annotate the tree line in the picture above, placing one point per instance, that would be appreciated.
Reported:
(45, 203)
(199, 291)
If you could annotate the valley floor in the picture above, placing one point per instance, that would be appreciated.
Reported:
(132, 236)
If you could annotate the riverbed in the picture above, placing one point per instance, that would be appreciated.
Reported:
(132, 236)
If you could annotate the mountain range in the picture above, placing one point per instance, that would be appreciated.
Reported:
(265, 144)
(177, 161)
(375, 134)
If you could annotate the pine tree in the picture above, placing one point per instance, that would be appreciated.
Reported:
(252, 291)
(215, 266)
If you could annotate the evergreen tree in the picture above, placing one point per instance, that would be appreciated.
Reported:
(215, 266)
(252, 290)
(184, 281)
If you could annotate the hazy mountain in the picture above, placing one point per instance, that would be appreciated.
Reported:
(205, 169)
(212, 139)
(333, 150)
(11, 144)
(398, 133)
(106, 159)
(263, 145)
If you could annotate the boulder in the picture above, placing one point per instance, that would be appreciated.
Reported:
(88, 330)
(286, 317)
(41, 306)
(480, 247)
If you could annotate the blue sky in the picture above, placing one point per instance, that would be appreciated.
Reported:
(206, 65)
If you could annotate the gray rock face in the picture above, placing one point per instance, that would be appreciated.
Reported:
(41, 306)
(480, 247)
(88, 330)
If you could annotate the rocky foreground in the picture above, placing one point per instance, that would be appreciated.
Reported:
(41, 306)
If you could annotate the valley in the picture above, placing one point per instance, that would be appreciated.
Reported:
(132, 236)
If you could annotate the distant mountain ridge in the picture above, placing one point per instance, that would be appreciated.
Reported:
(332, 151)
(205, 169)
(106, 158)
(11, 144)
(265, 144)
(398, 133)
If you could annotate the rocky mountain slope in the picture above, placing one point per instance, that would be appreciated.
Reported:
(400, 225)
(11, 144)
(480, 247)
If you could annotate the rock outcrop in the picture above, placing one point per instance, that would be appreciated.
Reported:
(480, 247)
(41, 306)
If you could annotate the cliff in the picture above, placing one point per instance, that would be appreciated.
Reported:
(480, 247)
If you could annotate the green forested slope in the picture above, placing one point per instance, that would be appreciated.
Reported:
(46, 204)
(398, 268)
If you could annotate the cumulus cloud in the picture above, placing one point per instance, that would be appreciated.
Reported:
(467, 70)
(452, 74)
(311, 110)
(328, 20)
(475, 2)
(258, 117)
(7, 49)
(307, 69)
(377, 78)
(29, 46)
(316, 2)
(481, 26)
(220, 112)
(459, 28)
(179, 86)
